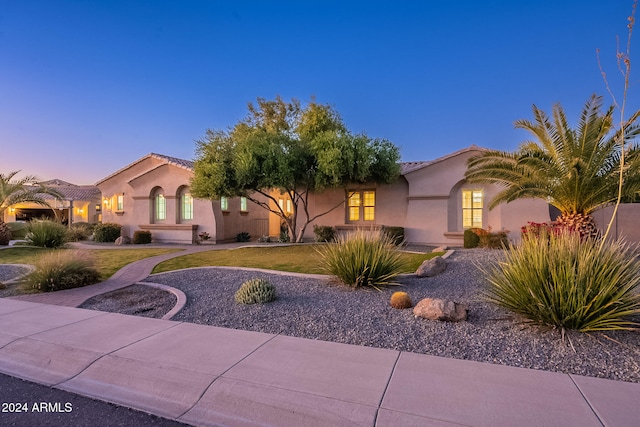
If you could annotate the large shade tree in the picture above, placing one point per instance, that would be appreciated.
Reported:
(23, 190)
(575, 170)
(290, 149)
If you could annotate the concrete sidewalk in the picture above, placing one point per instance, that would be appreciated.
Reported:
(205, 375)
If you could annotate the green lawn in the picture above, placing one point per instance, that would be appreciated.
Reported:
(296, 258)
(107, 261)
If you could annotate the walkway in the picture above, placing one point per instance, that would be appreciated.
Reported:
(205, 375)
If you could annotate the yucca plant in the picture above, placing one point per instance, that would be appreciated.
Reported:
(568, 282)
(61, 269)
(362, 258)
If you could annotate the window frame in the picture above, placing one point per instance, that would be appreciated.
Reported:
(186, 205)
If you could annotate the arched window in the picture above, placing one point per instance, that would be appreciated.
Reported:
(186, 204)
(159, 205)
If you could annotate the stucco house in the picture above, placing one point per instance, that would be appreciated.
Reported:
(153, 194)
(431, 200)
(80, 203)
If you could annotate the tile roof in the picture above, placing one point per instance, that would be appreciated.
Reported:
(408, 167)
(76, 192)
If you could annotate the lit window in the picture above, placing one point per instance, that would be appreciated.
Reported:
(243, 204)
(160, 207)
(120, 202)
(472, 209)
(187, 207)
(361, 206)
(224, 203)
(289, 207)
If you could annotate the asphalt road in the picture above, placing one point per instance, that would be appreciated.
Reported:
(24, 403)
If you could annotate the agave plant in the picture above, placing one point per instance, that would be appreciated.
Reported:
(575, 170)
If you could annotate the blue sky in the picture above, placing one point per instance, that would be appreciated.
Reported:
(89, 86)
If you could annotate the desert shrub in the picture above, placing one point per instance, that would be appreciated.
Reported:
(362, 258)
(243, 237)
(79, 231)
(564, 282)
(264, 239)
(400, 300)
(395, 234)
(324, 233)
(141, 237)
(491, 240)
(18, 230)
(255, 291)
(107, 232)
(471, 239)
(5, 233)
(61, 269)
(46, 233)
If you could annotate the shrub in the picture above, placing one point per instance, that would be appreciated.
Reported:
(362, 258)
(243, 237)
(46, 233)
(497, 240)
(471, 239)
(264, 239)
(395, 234)
(564, 282)
(5, 233)
(141, 237)
(61, 269)
(79, 231)
(400, 300)
(18, 230)
(107, 232)
(255, 291)
(324, 233)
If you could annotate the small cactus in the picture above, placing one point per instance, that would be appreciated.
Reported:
(255, 291)
(400, 300)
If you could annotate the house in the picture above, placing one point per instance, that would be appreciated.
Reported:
(80, 203)
(431, 200)
(153, 194)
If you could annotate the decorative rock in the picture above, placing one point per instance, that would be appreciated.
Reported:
(431, 267)
(440, 249)
(439, 309)
(122, 240)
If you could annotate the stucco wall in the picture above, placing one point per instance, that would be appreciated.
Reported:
(626, 224)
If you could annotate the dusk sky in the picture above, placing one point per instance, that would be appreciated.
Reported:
(89, 86)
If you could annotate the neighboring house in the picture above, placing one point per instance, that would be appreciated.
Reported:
(153, 194)
(432, 201)
(80, 203)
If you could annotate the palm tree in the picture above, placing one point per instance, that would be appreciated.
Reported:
(576, 171)
(25, 189)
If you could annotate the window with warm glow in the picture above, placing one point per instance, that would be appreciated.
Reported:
(472, 208)
(361, 206)
(120, 202)
(224, 203)
(243, 204)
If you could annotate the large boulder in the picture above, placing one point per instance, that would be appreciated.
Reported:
(122, 240)
(431, 267)
(439, 309)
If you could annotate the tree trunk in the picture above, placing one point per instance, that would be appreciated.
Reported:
(5, 233)
(582, 223)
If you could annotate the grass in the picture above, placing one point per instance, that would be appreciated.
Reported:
(296, 259)
(107, 261)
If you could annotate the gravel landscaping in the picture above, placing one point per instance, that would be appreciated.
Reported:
(319, 309)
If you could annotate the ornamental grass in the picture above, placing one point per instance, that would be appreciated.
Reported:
(363, 258)
(569, 283)
(61, 269)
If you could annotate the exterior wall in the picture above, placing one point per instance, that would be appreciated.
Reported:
(81, 210)
(626, 224)
(434, 212)
(390, 208)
